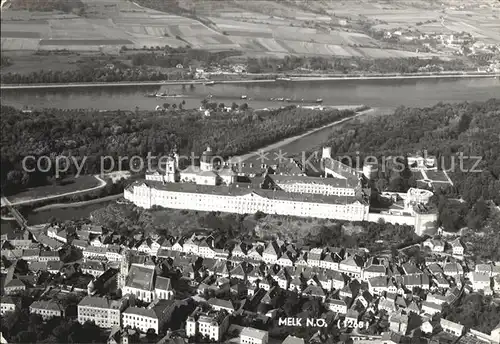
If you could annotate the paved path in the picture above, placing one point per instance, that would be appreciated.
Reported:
(102, 183)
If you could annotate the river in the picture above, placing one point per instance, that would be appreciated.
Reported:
(384, 95)
(374, 93)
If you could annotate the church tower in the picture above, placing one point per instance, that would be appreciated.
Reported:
(206, 161)
(171, 170)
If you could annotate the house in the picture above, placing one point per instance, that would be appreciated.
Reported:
(387, 305)
(293, 340)
(31, 254)
(47, 309)
(7, 304)
(398, 323)
(484, 268)
(163, 288)
(435, 245)
(103, 312)
(238, 251)
(374, 271)
(81, 244)
(46, 256)
(314, 257)
(352, 316)
(431, 308)
(212, 325)
(14, 286)
(314, 291)
(97, 242)
(377, 285)
(54, 267)
(452, 327)
(61, 236)
(352, 266)
(442, 282)
(427, 327)
(338, 280)
(205, 250)
(50, 243)
(457, 247)
(92, 267)
(453, 269)
(113, 253)
(219, 304)
(238, 272)
(95, 252)
(282, 278)
(391, 338)
(295, 284)
(250, 335)
(338, 306)
(271, 254)
(480, 281)
(153, 317)
(285, 260)
(190, 246)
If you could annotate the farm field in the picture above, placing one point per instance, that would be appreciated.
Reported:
(257, 28)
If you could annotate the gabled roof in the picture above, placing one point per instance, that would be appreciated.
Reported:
(272, 249)
(163, 283)
(221, 303)
(94, 301)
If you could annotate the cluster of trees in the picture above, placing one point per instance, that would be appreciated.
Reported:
(350, 65)
(21, 327)
(94, 135)
(475, 311)
(94, 73)
(446, 131)
(171, 57)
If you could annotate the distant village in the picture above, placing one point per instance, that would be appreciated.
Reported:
(221, 292)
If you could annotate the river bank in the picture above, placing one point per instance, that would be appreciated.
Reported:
(102, 184)
(270, 79)
(77, 204)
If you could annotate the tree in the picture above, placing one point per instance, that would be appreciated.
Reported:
(244, 107)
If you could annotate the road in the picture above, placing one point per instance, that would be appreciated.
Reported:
(246, 81)
(102, 183)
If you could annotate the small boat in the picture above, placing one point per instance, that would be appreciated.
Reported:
(150, 95)
(244, 97)
(283, 79)
(209, 83)
(166, 95)
(319, 100)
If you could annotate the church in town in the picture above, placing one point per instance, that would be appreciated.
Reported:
(341, 192)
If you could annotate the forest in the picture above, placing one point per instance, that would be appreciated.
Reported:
(445, 131)
(93, 134)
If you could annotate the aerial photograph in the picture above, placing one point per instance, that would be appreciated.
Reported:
(250, 171)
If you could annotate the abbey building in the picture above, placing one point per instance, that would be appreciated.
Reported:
(341, 193)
